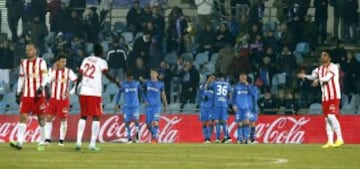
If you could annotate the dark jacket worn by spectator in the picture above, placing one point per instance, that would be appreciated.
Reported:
(190, 80)
(268, 105)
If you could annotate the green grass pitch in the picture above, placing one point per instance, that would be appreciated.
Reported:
(182, 156)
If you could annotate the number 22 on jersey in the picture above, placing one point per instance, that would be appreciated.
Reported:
(89, 70)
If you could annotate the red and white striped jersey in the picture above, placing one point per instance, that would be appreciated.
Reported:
(33, 72)
(328, 76)
(60, 79)
(92, 68)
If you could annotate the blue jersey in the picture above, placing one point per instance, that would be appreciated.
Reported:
(207, 97)
(131, 92)
(221, 89)
(253, 98)
(152, 91)
(241, 96)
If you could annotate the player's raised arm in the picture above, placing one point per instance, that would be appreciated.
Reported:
(314, 75)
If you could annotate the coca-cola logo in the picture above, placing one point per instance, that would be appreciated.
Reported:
(8, 131)
(114, 130)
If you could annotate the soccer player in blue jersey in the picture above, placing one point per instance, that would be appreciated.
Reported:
(206, 108)
(222, 90)
(154, 92)
(131, 90)
(254, 109)
(242, 108)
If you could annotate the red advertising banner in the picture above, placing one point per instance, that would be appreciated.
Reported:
(187, 129)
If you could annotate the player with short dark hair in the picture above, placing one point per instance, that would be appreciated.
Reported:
(154, 92)
(131, 90)
(90, 77)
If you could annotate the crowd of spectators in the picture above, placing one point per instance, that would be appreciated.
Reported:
(271, 52)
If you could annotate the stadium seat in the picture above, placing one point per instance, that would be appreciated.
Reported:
(188, 56)
(171, 58)
(270, 26)
(189, 108)
(173, 108)
(315, 108)
(128, 36)
(89, 48)
(201, 58)
(357, 57)
(105, 45)
(208, 68)
(214, 57)
(278, 79)
(119, 27)
(302, 48)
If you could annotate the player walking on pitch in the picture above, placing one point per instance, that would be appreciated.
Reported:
(328, 76)
(153, 91)
(33, 71)
(59, 78)
(90, 77)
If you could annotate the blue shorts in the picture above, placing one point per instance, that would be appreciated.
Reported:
(131, 114)
(220, 113)
(206, 114)
(254, 117)
(152, 113)
(243, 114)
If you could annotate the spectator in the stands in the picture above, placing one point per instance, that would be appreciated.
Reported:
(145, 17)
(270, 41)
(290, 104)
(53, 7)
(310, 32)
(38, 9)
(338, 18)
(257, 49)
(78, 6)
(351, 20)
(61, 45)
(141, 48)
(105, 8)
(286, 63)
(158, 19)
(75, 59)
(265, 73)
(268, 104)
(282, 9)
(133, 22)
(7, 62)
(321, 18)
(204, 11)
(339, 53)
(176, 31)
(239, 8)
(256, 12)
(15, 10)
(222, 38)
(205, 39)
(305, 90)
(244, 26)
(60, 19)
(74, 26)
(141, 72)
(92, 24)
(224, 60)
(38, 31)
(165, 75)
(352, 74)
(286, 36)
(190, 79)
(117, 58)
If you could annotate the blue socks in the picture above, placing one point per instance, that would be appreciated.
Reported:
(217, 128)
(240, 133)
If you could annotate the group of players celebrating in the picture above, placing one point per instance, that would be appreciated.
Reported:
(217, 96)
(33, 91)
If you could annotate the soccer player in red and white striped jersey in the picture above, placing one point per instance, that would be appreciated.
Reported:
(59, 78)
(33, 71)
(328, 76)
